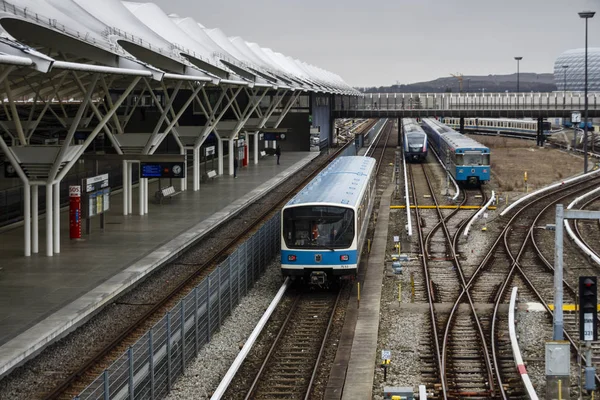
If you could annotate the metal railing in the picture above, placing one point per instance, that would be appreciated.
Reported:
(148, 369)
(468, 101)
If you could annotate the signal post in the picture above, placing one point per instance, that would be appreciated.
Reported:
(558, 350)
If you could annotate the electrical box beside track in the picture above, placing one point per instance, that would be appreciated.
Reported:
(396, 392)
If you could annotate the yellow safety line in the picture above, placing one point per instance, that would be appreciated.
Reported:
(568, 307)
(443, 207)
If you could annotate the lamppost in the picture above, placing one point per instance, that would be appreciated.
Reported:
(565, 85)
(586, 15)
(518, 59)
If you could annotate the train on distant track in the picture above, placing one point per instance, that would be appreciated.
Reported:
(324, 226)
(500, 125)
(466, 159)
(414, 140)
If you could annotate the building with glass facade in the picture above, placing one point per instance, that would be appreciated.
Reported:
(574, 74)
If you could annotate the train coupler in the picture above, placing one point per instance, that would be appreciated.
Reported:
(318, 278)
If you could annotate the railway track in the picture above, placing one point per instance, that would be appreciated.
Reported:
(94, 364)
(514, 263)
(291, 364)
(289, 368)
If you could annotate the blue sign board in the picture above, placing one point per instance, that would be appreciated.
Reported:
(162, 170)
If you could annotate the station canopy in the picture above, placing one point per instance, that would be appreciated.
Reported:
(128, 38)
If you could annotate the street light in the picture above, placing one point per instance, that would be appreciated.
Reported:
(518, 59)
(586, 15)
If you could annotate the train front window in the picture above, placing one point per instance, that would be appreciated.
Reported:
(414, 140)
(323, 227)
(472, 158)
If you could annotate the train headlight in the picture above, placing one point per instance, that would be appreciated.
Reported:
(344, 257)
(292, 257)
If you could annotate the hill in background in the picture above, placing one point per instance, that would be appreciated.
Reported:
(473, 83)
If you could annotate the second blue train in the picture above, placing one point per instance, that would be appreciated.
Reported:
(467, 160)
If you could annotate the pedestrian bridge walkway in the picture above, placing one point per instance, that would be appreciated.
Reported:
(488, 105)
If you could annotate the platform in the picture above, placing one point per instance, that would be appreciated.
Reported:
(354, 366)
(41, 297)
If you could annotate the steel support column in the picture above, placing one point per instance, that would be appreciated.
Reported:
(125, 188)
(231, 155)
(142, 198)
(49, 220)
(130, 187)
(34, 218)
(255, 141)
(27, 218)
(56, 215)
(220, 155)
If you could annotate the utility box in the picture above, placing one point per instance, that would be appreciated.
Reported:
(558, 369)
(397, 392)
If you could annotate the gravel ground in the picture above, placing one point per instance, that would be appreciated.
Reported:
(203, 375)
(533, 329)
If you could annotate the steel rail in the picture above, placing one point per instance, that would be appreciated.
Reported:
(428, 287)
(591, 252)
(225, 249)
(515, 265)
(465, 290)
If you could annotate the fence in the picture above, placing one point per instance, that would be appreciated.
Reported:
(148, 369)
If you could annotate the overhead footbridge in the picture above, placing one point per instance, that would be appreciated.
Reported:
(484, 105)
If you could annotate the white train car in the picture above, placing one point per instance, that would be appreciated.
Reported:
(517, 127)
(324, 226)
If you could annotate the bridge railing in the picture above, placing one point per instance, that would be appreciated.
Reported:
(574, 101)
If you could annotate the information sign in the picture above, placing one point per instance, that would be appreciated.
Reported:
(275, 136)
(209, 151)
(396, 239)
(162, 170)
(96, 183)
(386, 354)
(588, 326)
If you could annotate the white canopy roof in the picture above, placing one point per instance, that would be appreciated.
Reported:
(142, 36)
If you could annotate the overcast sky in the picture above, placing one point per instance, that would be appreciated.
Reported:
(379, 42)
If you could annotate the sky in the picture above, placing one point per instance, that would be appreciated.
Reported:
(381, 42)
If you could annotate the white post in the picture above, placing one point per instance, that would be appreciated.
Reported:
(146, 193)
(27, 221)
(220, 155)
(183, 152)
(56, 203)
(125, 188)
(49, 242)
(142, 198)
(231, 155)
(196, 160)
(130, 187)
(35, 219)
(256, 134)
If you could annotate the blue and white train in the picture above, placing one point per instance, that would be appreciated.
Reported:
(467, 160)
(324, 226)
(414, 140)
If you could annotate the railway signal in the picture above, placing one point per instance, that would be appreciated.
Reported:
(588, 325)
(588, 309)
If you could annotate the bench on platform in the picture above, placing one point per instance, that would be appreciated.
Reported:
(166, 193)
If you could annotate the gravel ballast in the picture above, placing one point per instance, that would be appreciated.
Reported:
(202, 376)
